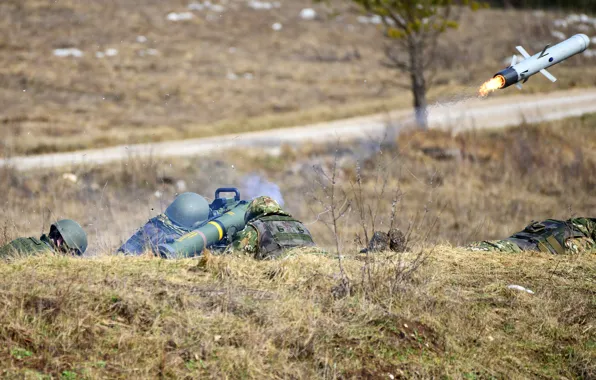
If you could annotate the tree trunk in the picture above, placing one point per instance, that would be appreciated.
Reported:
(418, 82)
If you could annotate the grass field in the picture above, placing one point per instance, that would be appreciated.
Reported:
(225, 71)
(233, 317)
(434, 311)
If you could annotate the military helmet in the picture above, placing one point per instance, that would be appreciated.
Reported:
(74, 236)
(262, 206)
(188, 210)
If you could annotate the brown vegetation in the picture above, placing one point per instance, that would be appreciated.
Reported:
(433, 311)
(310, 70)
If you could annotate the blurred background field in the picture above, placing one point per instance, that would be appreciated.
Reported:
(480, 185)
(82, 74)
(90, 74)
(434, 311)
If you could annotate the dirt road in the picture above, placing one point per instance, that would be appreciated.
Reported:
(473, 113)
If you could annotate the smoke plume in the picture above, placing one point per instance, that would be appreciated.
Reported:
(254, 185)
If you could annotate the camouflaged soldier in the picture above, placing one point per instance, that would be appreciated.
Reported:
(187, 212)
(269, 231)
(66, 236)
(575, 235)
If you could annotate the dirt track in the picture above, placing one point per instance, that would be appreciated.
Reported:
(474, 113)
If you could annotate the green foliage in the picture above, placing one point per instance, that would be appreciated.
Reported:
(68, 375)
(20, 353)
(403, 18)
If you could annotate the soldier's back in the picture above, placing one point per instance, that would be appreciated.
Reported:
(24, 246)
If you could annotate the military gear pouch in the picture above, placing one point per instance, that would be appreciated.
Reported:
(548, 236)
(277, 233)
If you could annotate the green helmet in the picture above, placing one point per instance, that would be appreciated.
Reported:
(73, 234)
(188, 210)
(262, 206)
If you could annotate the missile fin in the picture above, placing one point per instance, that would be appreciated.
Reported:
(548, 75)
(523, 51)
(514, 60)
(518, 85)
(543, 51)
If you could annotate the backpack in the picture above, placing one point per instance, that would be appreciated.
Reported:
(548, 236)
(277, 233)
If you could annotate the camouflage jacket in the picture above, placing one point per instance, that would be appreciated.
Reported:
(158, 230)
(26, 246)
(575, 235)
(269, 236)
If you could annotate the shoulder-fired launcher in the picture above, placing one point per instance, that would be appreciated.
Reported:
(220, 226)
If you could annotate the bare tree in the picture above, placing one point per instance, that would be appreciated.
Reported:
(412, 29)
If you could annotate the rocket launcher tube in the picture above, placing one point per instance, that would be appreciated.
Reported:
(194, 242)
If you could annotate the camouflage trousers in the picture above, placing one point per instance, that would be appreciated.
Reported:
(572, 246)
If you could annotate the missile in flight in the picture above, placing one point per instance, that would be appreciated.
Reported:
(519, 72)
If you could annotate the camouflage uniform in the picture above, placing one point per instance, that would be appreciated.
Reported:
(158, 230)
(65, 236)
(269, 231)
(576, 235)
(26, 247)
(394, 240)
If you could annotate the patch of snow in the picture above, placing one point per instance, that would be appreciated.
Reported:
(256, 4)
(560, 23)
(583, 28)
(520, 288)
(206, 5)
(68, 52)
(111, 52)
(308, 14)
(196, 6)
(231, 76)
(173, 16)
(374, 19)
(573, 18)
(277, 26)
(590, 53)
(141, 39)
(143, 53)
(70, 177)
(248, 76)
(158, 194)
(100, 54)
(584, 18)
(593, 40)
(559, 35)
(181, 186)
(232, 50)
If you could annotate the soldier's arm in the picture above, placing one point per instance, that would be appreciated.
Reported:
(245, 241)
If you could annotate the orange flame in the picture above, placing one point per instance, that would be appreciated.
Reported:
(491, 85)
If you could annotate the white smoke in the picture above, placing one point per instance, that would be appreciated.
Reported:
(253, 185)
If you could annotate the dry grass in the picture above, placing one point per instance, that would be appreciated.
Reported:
(104, 316)
(476, 185)
(309, 71)
(234, 317)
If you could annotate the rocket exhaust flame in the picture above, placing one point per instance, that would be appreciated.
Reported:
(491, 85)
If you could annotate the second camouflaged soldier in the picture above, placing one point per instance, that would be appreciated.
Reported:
(269, 231)
(187, 212)
(66, 236)
(575, 235)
